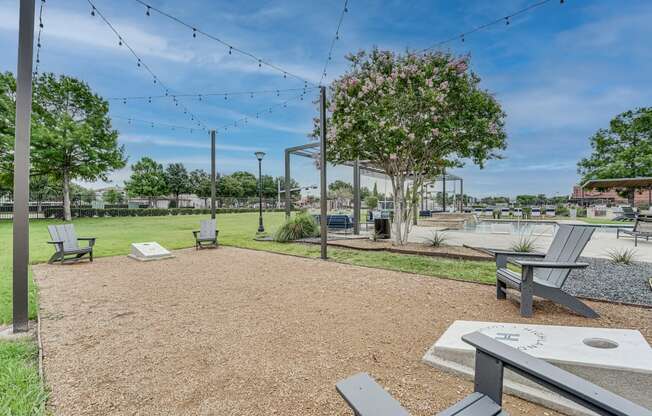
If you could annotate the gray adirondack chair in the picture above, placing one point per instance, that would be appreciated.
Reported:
(66, 243)
(642, 228)
(545, 278)
(206, 236)
(367, 398)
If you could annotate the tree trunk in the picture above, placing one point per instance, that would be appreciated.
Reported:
(67, 216)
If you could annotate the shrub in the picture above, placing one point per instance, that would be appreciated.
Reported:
(371, 202)
(437, 239)
(297, 227)
(524, 244)
(624, 256)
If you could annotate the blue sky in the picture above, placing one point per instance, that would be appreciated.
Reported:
(560, 72)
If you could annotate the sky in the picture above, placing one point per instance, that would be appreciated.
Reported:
(560, 72)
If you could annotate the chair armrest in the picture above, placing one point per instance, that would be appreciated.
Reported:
(55, 242)
(549, 264)
(568, 385)
(518, 253)
(367, 398)
(91, 240)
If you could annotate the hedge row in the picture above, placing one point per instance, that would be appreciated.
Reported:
(144, 212)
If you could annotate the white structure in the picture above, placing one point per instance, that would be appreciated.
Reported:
(619, 360)
(149, 251)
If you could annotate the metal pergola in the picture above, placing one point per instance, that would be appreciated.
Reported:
(444, 178)
(312, 151)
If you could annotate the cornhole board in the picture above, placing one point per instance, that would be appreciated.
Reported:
(149, 251)
(619, 360)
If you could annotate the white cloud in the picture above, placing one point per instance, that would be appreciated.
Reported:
(167, 142)
(69, 26)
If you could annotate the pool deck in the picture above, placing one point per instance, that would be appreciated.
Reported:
(599, 246)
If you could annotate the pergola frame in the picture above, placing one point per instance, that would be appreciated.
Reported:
(445, 177)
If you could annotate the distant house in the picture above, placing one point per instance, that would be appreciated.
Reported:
(607, 197)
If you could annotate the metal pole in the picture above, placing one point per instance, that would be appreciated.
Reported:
(322, 176)
(288, 201)
(356, 197)
(21, 166)
(278, 192)
(213, 174)
(261, 228)
(443, 191)
(461, 195)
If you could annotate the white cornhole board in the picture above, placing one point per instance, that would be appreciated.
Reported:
(624, 368)
(149, 251)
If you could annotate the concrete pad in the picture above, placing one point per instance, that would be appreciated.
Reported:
(149, 251)
(618, 360)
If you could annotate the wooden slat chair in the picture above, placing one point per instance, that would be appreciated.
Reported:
(642, 228)
(545, 278)
(492, 357)
(206, 236)
(66, 243)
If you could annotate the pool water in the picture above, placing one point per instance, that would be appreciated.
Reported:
(543, 228)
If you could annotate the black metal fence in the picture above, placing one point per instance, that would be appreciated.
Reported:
(80, 206)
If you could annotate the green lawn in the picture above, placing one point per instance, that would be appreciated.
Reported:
(604, 221)
(20, 389)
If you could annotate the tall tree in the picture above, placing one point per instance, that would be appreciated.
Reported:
(147, 180)
(113, 196)
(200, 183)
(177, 179)
(412, 115)
(72, 137)
(248, 182)
(624, 150)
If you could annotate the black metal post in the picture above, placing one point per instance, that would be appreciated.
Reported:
(322, 179)
(21, 166)
(356, 197)
(261, 228)
(443, 191)
(213, 175)
(288, 194)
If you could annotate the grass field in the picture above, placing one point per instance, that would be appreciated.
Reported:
(21, 391)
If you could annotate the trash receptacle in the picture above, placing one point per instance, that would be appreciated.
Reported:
(382, 228)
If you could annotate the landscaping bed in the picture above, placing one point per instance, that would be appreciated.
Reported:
(446, 251)
(614, 282)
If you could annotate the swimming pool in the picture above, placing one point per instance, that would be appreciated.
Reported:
(543, 228)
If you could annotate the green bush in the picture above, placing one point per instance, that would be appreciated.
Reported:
(57, 212)
(297, 227)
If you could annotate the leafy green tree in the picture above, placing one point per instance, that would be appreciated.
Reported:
(412, 115)
(147, 180)
(371, 202)
(270, 187)
(229, 186)
(526, 200)
(294, 186)
(113, 196)
(200, 183)
(177, 180)
(248, 183)
(72, 137)
(624, 150)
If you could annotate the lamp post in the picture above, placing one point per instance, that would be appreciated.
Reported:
(259, 156)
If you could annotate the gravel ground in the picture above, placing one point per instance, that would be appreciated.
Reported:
(615, 282)
(239, 332)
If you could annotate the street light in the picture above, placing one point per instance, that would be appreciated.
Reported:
(259, 156)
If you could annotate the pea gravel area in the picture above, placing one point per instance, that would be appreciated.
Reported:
(240, 332)
(614, 282)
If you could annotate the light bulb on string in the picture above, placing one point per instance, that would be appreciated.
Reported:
(230, 50)
(93, 11)
(507, 20)
(194, 32)
(147, 12)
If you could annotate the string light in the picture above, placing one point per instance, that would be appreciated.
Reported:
(232, 48)
(336, 38)
(201, 96)
(505, 19)
(122, 41)
(152, 124)
(38, 38)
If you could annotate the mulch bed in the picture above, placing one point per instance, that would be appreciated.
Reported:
(366, 244)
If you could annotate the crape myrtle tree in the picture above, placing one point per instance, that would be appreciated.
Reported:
(624, 150)
(147, 180)
(411, 115)
(72, 137)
